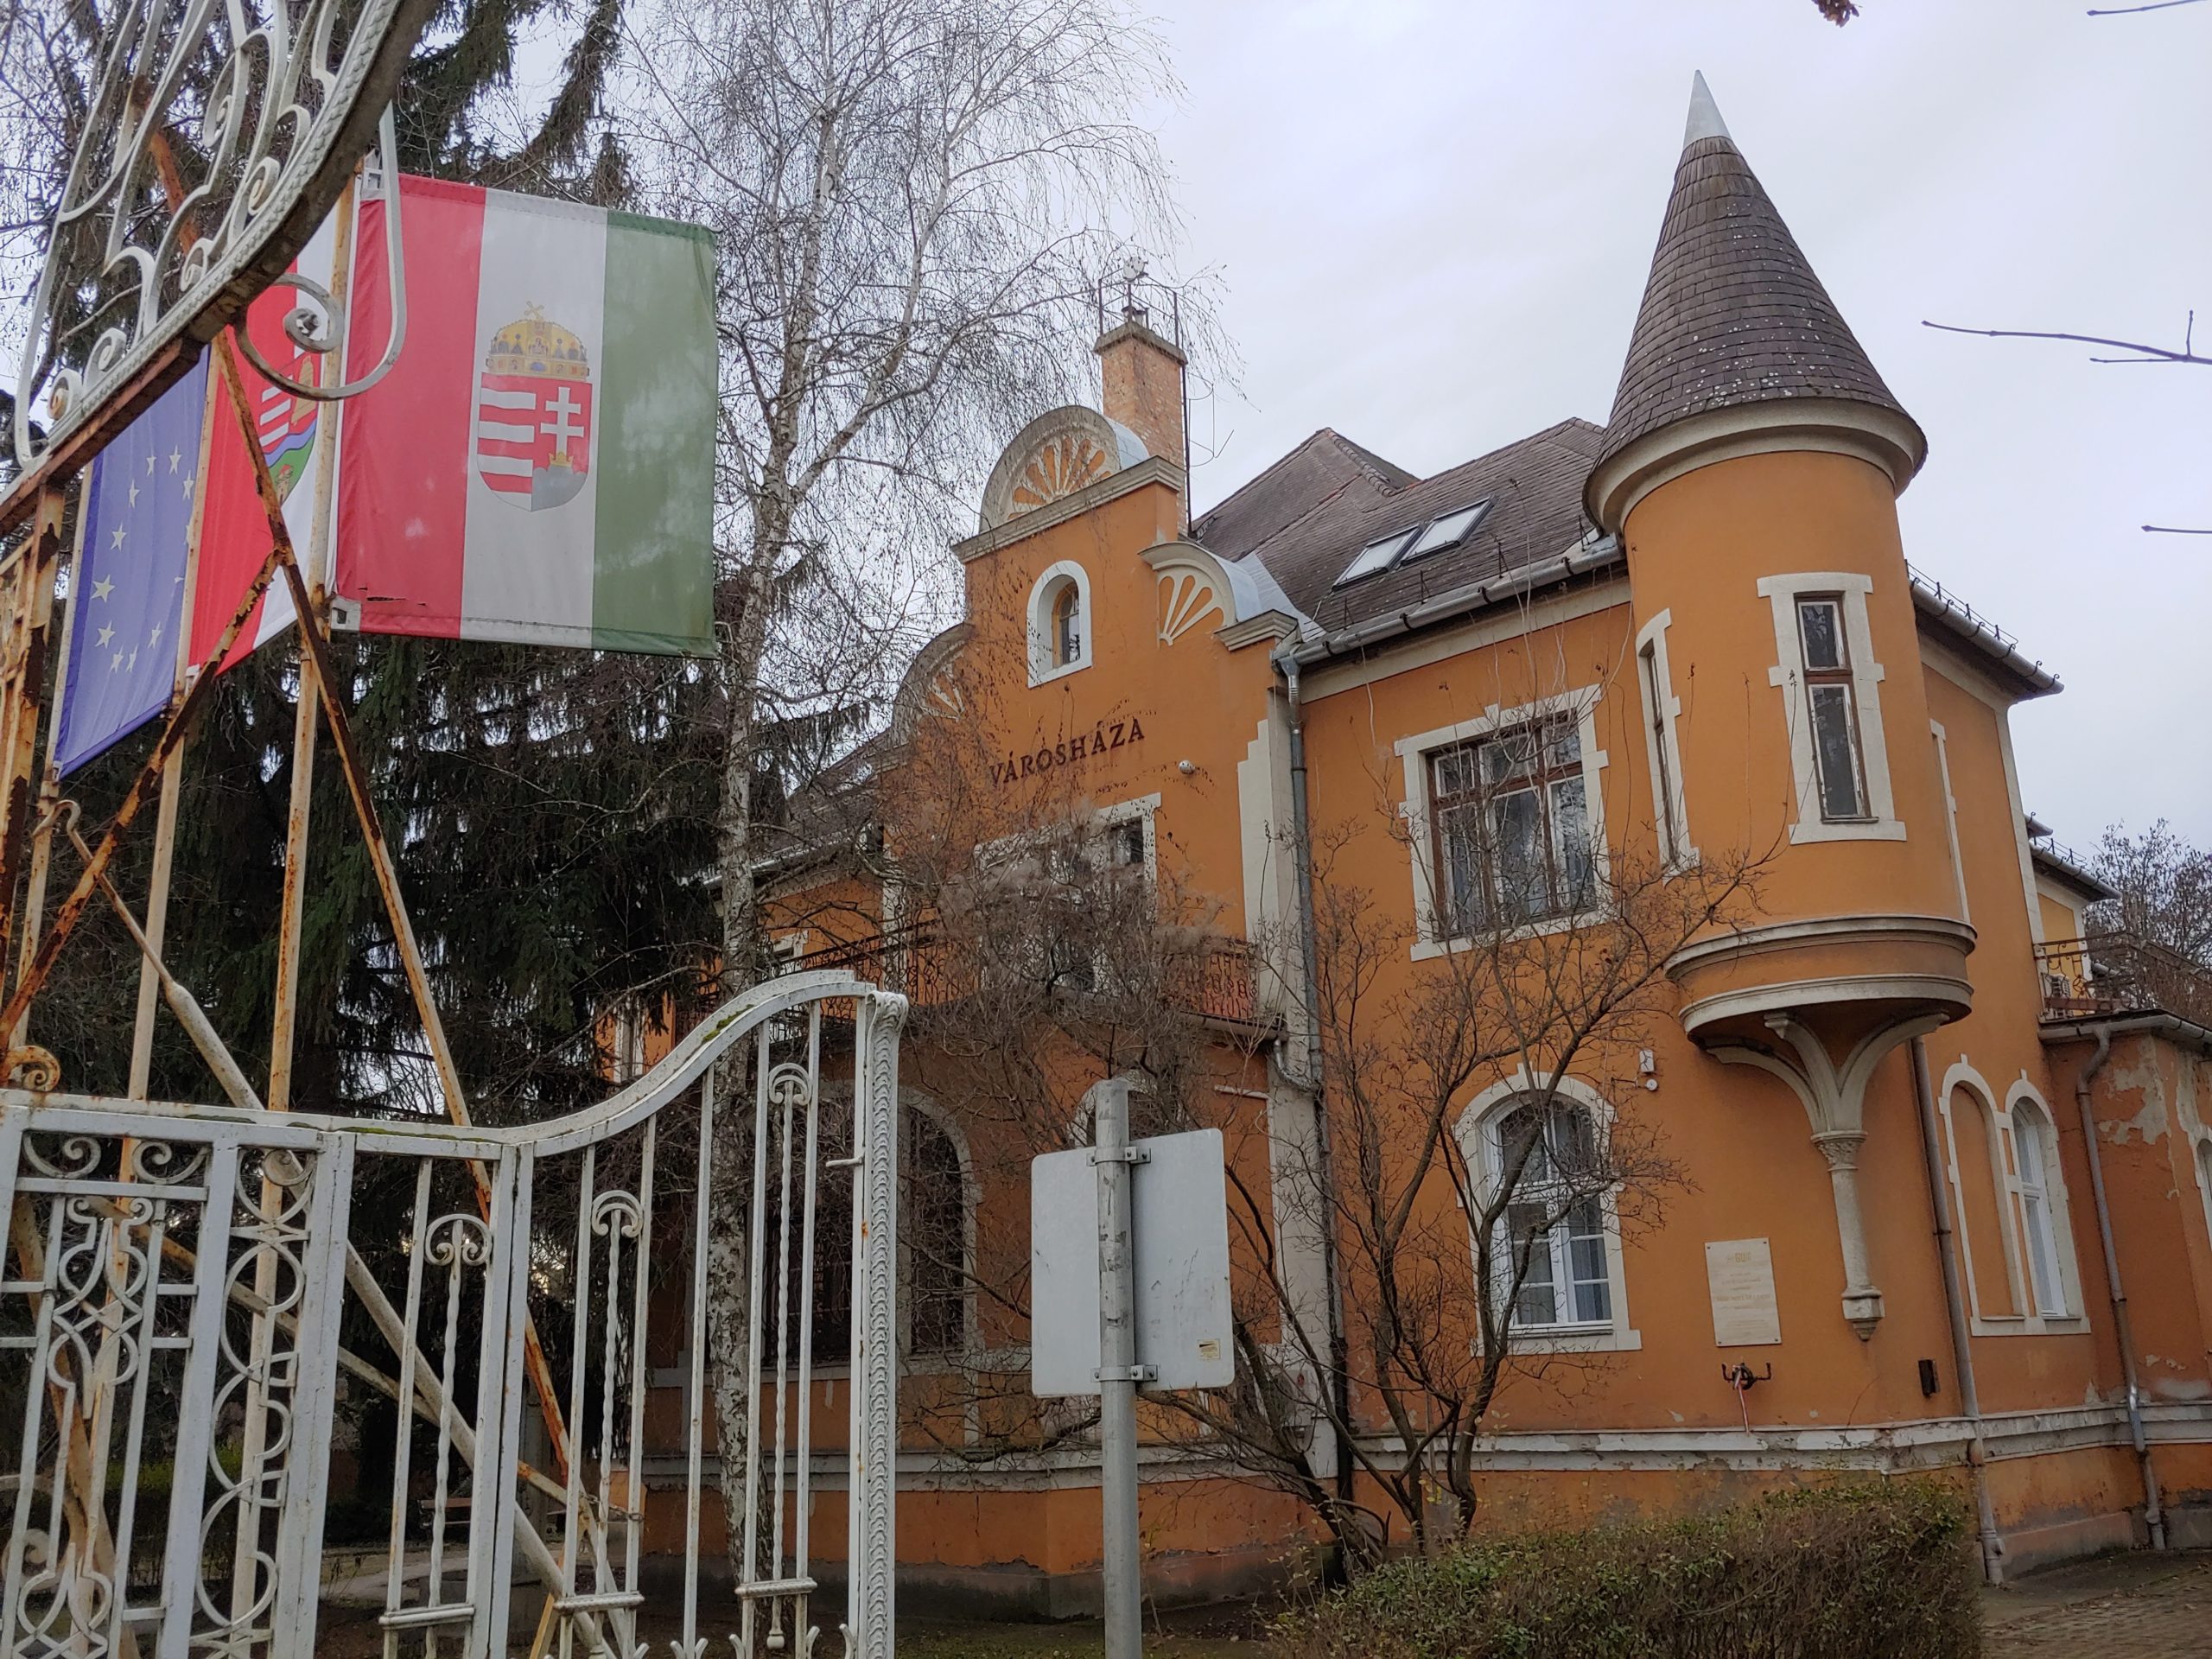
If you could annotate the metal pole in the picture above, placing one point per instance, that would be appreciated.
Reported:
(1118, 1373)
(292, 914)
(165, 814)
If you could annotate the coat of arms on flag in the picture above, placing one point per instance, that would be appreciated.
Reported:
(533, 413)
(287, 423)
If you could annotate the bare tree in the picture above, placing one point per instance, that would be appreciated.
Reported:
(1050, 946)
(1458, 1239)
(2164, 886)
(912, 200)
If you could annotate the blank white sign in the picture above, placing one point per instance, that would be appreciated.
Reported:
(1180, 1223)
(1739, 1273)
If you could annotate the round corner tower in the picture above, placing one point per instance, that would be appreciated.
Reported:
(1750, 470)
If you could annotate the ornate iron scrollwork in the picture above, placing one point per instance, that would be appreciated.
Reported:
(295, 91)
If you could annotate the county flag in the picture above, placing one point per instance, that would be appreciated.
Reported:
(539, 465)
(291, 430)
(127, 591)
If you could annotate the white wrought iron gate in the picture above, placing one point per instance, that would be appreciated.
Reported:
(194, 1299)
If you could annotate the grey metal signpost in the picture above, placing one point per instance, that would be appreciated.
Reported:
(1128, 1292)
(1118, 1372)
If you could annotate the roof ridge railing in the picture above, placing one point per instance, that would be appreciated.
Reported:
(1959, 608)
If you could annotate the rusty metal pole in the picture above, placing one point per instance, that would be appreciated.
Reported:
(49, 783)
(73, 908)
(380, 859)
(29, 622)
(165, 815)
(291, 912)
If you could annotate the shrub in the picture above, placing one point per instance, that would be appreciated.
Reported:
(1860, 1571)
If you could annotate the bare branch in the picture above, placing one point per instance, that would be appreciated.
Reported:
(2188, 352)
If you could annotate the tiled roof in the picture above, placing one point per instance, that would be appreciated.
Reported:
(1319, 517)
(1325, 465)
(1732, 314)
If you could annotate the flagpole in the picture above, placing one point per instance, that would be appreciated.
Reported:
(49, 788)
(292, 912)
(165, 814)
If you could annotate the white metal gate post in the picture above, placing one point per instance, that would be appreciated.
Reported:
(1118, 1372)
(872, 1557)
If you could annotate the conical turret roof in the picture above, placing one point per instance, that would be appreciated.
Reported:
(1733, 314)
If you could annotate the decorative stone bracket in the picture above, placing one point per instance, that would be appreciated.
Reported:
(1835, 1098)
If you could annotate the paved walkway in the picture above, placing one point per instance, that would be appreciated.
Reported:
(2135, 1606)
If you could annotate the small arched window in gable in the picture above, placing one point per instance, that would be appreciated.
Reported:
(1067, 625)
(1059, 623)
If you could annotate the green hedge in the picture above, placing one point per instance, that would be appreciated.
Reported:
(1860, 1571)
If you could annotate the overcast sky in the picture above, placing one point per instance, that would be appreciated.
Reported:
(1431, 224)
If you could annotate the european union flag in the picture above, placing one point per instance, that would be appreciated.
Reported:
(128, 589)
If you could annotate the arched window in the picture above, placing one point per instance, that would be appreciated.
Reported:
(1067, 625)
(2031, 1147)
(1552, 1233)
(933, 1217)
(933, 1203)
(1059, 622)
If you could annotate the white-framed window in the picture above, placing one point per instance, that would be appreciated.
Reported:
(2205, 1180)
(1830, 683)
(2035, 1155)
(1662, 749)
(1504, 815)
(937, 1198)
(1552, 1232)
(1059, 622)
(1556, 1247)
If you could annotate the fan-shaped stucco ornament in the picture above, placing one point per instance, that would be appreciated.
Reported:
(1056, 454)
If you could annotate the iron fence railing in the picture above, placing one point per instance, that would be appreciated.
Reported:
(2107, 974)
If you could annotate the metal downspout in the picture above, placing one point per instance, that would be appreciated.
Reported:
(2154, 1514)
(1954, 1305)
(1309, 952)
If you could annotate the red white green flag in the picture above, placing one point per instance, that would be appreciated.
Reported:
(538, 467)
(234, 528)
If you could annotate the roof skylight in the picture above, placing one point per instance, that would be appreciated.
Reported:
(1449, 530)
(1376, 556)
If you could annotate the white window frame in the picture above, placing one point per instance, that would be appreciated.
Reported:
(2002, 1126)
(962, 1355)
(2043, 1125)
(1788, 675)
(1430, 940)
(2201, 1160)
(1662, 747)
(1476, 1131)
(1951, 816)
(1043, 665)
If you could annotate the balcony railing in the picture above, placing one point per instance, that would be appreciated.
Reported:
(1218, 981)
(2110, 974)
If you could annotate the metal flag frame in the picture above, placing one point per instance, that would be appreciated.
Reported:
(276, 128)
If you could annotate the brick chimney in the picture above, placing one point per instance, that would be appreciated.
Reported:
(1142, 373)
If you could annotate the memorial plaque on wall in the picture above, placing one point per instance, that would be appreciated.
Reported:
(1739, 1273)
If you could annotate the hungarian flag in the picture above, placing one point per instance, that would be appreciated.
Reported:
(291, 430)
(539, 465)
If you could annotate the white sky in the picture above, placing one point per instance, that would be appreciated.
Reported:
(1433, 222)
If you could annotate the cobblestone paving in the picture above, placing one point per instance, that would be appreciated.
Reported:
(2134, 1613)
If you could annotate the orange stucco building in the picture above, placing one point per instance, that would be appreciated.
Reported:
(1939, 1175)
